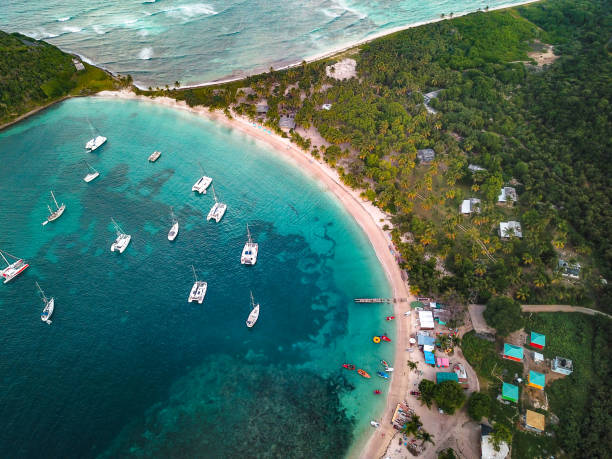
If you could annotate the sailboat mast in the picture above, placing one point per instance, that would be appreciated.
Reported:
(50, 210)
(4, 258)
(252, 300)
(214, 194)
(44, 298)
(194, 273)
(249, 235)
(53, 196)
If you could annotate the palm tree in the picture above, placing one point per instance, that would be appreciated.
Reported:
(412, 365)
(426, 437)
(177, 84)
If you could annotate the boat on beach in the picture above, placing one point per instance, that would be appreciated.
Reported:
(218, 209)
(93, 174)
(95, 143)
(198, 291)
(45, 316)
(382, 374)
(174, 229)
(54, 214)
(14, 269)
(374, 424)
(249, 252)
(122, 240)
(363, 373)
(154, 156)
(254, 315)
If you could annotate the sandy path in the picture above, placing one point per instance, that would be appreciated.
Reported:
(561, 308)
(370, 219)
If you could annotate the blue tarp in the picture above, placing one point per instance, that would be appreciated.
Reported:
(424, 340)
(429, 358)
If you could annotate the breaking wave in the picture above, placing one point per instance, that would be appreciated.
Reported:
(145, 53)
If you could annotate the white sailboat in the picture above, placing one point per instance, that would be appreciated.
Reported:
(198, 291)
(203, 182)
(14, 269)
(218, 209)
(254, 315)
(54, 214)
(175, 227)
(95, 143)
(249, 252)
(122, 240)
(154, 156)
(93, 174)
(45, 316)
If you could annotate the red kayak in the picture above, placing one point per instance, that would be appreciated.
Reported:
(385, 338)
(348, 366)
(390, 317)
(377, 391)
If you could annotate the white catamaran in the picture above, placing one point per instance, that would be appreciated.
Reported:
(254, 315)
(198, 291)
(175, 227)
(14, 269)
(218, 209)
(203, 182)
(54, 214)
(122, 240)
(154, 156)
(95, 143)
(249, 252)
(45, 316)
(93, 174)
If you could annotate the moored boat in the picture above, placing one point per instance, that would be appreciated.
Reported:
(348, 366)
(203, 182)
(154, 156)
(363, 373)
(95, 143)
(385, 338)
(249, 252)
(122, 240)
(14, 269)
(93, 174)
(382, 374)
(174, 229)
(390, 317)
(254, 315)
(54, 214)
(198, 291)
(45, 316)
(218, 209)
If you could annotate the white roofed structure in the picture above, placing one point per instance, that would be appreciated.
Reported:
(511, 228)
(426, 319)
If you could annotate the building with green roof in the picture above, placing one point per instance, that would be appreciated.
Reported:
(537, 380)
(513, 352)
(510, 392)
(442, 376)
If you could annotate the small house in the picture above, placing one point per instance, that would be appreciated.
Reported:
(509, 229)
(470, 205)
(569, 269)
(476, 168)
(426, 155)
(428, 342)
(78, 65)
(262, 108)
(537, 340)
(442, 376)
(286, 123)
(488, 449)
(537, 357)
(512, 352)
(430, 359)
(537, 380)
(535, 421)
(442, 362)
(507, 196)
(326, 106)
(561, 365)
(510, 392)
(426, 320)
(459, 370)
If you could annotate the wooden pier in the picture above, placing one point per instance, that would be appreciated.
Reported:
(380, 300)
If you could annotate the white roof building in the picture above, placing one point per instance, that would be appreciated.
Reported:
(426, 319)
(511, 228)
(326, 106)
(507, 194)
(476, 168)
(488, 451)
(470, 205)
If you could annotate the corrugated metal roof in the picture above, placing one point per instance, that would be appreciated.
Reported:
(536, 378)
(510, 392)
(513, 351)
(538, 338)
(442, 376)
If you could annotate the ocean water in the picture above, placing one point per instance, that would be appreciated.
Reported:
(128, 366)
(159, 42)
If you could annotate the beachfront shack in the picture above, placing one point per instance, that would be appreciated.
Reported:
(442, 362)
(286, 123)
(512, 352)
(510, 392)
(537, 380)
(442, 376)
(262, 108)
(537, 340)
(426, 320)
(535, 421)
(428, 342)
(430, 359)
(562, 365)
(401, 416)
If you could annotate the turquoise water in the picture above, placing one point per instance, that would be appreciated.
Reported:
(128, 366)
(161, 41)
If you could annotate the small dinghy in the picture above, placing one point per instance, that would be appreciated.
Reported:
(154, 156)
(348, 366)
(382, 374)
(363, 373)
(385, 338)
(374, 424)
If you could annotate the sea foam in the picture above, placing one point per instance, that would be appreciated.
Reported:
(67, 18)
(145, 53)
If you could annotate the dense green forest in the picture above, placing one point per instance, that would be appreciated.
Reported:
(542, 129)
(35, 73)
